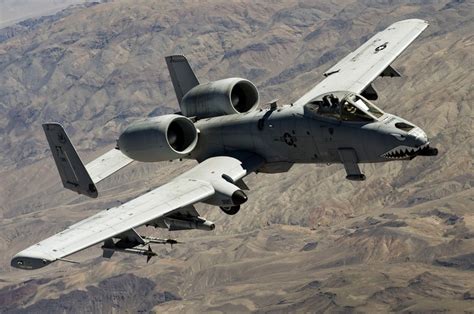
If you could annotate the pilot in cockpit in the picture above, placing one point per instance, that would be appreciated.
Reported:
(329, 105)
(345, 106)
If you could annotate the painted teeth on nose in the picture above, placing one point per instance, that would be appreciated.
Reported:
(402, 152)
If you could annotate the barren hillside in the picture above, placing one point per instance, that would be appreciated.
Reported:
(307, 240)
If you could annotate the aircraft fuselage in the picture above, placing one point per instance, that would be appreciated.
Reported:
(290, 134)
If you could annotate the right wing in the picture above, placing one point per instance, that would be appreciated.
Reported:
(197, 184)
(361, 67)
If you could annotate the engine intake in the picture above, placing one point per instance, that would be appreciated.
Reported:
(218, 98)
(157, 139)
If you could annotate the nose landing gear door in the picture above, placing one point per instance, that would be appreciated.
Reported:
(350, 161)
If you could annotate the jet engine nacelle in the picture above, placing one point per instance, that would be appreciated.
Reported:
(160, 138)
(218, 98)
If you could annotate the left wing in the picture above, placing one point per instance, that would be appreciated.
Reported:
(197, 184)
(361, 67)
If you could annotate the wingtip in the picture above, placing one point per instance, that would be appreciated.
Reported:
(420, 21)
(30, 261)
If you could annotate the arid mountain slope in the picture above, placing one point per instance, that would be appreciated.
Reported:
(308, 239)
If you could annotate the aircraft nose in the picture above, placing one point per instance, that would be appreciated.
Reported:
(419, 137)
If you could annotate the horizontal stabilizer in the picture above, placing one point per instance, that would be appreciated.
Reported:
(71, 169)
(107, 164)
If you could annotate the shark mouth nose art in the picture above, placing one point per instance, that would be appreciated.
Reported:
(404, 152)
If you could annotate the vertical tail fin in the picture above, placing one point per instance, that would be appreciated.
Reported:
(182, 75)
(71, 169)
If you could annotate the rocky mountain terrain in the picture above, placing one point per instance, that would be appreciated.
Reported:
(307, 240)
(15, 11)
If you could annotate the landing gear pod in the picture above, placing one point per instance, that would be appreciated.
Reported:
(157, 139)
(226, 195)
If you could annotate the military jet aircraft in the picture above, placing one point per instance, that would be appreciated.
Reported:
(222, 127)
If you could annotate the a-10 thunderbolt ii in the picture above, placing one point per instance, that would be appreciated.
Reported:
(221, 126)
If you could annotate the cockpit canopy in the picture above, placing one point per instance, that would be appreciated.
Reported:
(344, 106)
